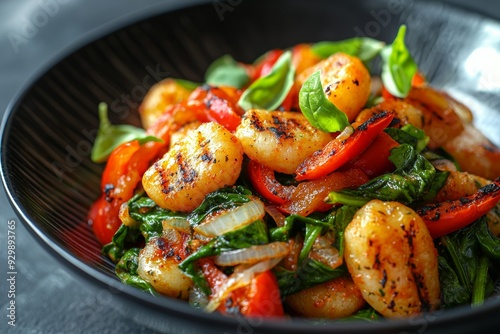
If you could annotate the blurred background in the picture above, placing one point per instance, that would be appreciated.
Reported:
(49, 299)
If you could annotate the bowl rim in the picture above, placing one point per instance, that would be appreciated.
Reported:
(84, 271)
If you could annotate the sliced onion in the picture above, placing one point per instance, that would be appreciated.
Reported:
(276, 215)
(324, 252)
(179, 224)
(232, 220)
(346, 133)
(327, 256)
(253, 254)
(242, 276)
(197, 298)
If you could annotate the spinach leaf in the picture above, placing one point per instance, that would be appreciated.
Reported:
(364, 48)
(269, 91)
(312, 233)
(489, 243)
(149, 216)
(123, 238)
(343, 216)
(111, 136)
(368, 314)
(189, 85)
(222, 199)
(250, 235)
(283, 233)
(463, 272)
(414, 180)
(409, 134)
(441, 153)
(454, 254)
(309, 273)
(453, 293)
(316, 107)
(464, 249)
(480, 286)
(398, 66)
(225, 71)
(126, 270)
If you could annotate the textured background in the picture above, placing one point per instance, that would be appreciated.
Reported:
(50, 299)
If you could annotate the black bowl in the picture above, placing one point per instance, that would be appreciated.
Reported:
(48, 130)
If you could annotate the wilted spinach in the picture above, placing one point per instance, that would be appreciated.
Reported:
(309, 273)
(222, 199)
(464, 269)
(415, 180)
(126, 270)
(250, 235)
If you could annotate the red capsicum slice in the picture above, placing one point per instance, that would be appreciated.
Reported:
(264, 66)
(418, 80)
(374, 161)
(216, 104)
(264, 181)
(122, 173)
(310, 195)
(449, 216)
(340, 151)
(259, 299)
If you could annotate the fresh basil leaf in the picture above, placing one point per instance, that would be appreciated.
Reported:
(225, 71)
(364, 48)
(269, 91)
(189, 85)
(316, 107)
(398, 66)
(111, 136)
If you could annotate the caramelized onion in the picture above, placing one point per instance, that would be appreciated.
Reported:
(253, 254)
(276, 215)
(231, 220)
(177, 224)
(242, 276)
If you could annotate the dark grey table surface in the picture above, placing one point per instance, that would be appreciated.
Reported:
(49, 299)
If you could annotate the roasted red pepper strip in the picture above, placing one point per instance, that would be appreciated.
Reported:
(374, 161)
(310, 195)
(418, 80)
(264, 181)
(216, 104)
(259, 299)
(264, 66)
(262, 297)
(340, 151)
(446, 217)
(122, 173)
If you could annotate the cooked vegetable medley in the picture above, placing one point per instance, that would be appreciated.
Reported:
(311, 183)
